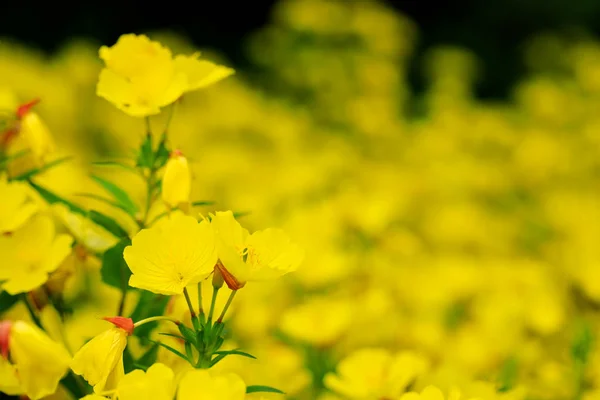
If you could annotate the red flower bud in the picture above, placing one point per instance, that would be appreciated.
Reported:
(24, 108)
(4, 337)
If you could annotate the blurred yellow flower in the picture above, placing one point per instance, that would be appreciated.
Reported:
(141, 75)
(175, 253)
(264, 255)
(156, 383)
(31, 253)
(177, 180)
(376, 374)
(17, 205)
(100, 361)
(89, 234)
(38, 363)
(37, 135)
(429, 393)
(206, 385)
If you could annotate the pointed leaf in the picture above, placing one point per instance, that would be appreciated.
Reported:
(241, 214)
(262, 388)
(215, 360)
(7, 301)
(173, 335)
(235, 352)
(172, 350)
(12, 157)
(145, 156)
(114, 270)
(119, 194)
(102, 200)
(36, 171)
(162, 154)
(188, 334)
(116, 164)
(52, 198)
(202, 203)
(107, 223)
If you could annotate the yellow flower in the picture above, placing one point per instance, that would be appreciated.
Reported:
(37, 135)
(203, 384)
(17, 205)
(376, 374)
(31, 253)
(156, 383)
(91, 235)
(100, 361)
(176, 182)
(141, 75)
(39, 363)
(175, 253)
(433, 393)
(264, 255)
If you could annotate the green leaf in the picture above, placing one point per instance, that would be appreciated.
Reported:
(104, 200)
(17, 155)
(188, 350)
(241, 214)
(148, 358)
(188, 334)
(52, 198)
(115, 271)
(116, 164)
(172, 350)
(235, 352)
(145, 156)
(508, 375)
(128, 361)
(202, 203)
(173, 335)
(262, 388)
(7, 301)
(149, 305)
(215, 360)
(582, 343)
(119, 194)
(36, 171)
(107, 223)
(162, 154)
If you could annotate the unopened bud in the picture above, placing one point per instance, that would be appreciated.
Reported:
(122, 322)
(230, 280)
(177, 180)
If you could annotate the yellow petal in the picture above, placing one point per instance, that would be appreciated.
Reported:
(200, 73)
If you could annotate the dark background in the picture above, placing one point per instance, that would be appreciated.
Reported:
(494, 29)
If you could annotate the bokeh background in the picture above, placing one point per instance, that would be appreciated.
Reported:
(439, 164)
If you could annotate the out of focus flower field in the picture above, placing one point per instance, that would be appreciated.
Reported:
(440, 246)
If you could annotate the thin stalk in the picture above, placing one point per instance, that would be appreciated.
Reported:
(189, 303)
(200, 307)
(32, 312)
(152, 319)
(229, 300)
(213, 302)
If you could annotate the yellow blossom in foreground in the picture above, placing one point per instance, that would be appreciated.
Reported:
(31, 253)
(39, 362)
(156, 383)
(203, 384)
(375, 374)
(141, 75)
(175, 253)
(100, 361)
(264, 255)
(17, 205)
(177, 180)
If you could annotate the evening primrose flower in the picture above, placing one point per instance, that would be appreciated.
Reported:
(17, 205)
(31, 253)
(32, 364)
(206, 385)
(100, 361)
(430, 393)
(175, 253)
(141, 75)
(156, 383)
(375, 374)
(264, 255)
(177, 180)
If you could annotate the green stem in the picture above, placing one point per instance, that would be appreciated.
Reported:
(213, 302)
(200, 307)
(169, 118)
(189, 303)
(32, 312)
(229, 300)
(152, 319)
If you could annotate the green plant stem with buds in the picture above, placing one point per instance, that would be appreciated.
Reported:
(157, 318)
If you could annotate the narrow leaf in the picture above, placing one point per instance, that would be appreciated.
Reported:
(145, 156)
(202, 203)
(7, 301)
(36, 171)
(215, 360)
(102, 200)
(173, 335)
(235, 352)
(119, 194)
(172, 350)
(13, 157)
(107, 223)
(52, 198)
(262, 388)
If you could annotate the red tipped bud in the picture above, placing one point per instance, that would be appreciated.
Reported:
(230, 280)
(121, 322)
(4, 337)
(23, 109)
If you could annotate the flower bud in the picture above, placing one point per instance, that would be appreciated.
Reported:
(176, 183)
